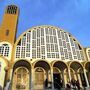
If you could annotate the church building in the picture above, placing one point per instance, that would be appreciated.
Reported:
(41, 54)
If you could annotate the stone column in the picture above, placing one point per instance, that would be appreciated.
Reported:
(76, 74)
(78, 77)
(63, 81)
(11, 73)
(69, 74)
(52, 78)
(86, 77)
(32, 78)
(11, 78)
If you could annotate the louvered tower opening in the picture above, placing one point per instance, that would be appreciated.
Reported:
(11, 9)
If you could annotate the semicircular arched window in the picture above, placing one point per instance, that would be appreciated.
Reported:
(4, 50)
(48, 42)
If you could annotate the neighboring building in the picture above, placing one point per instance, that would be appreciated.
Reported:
(40, 53)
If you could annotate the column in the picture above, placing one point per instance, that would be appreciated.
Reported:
(76, 74)
(86, 77)
(32, 78)
(69, 74)
(63, 81)
(78, 77)
(52, 78)
(11, 73)
(11, 77)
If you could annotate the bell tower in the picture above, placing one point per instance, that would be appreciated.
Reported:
(9, 24)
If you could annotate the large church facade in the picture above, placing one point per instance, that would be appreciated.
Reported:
(39, 54)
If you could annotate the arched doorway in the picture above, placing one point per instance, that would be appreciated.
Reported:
(56, 77)
(78, 73)
(87, 67)
(39, 77)
(21, 79)
(42, 69)
(59, 77)
(21, 76)
(69, 73)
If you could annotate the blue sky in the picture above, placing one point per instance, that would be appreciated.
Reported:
(71, 15)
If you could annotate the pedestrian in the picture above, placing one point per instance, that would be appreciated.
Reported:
(78, 84)
(73, 83)
(68, 86)
(46, 83)
(61, 83)
(7, 85)
(0, 87)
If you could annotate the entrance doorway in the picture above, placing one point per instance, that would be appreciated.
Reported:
(78, 73)
(39, 78)
(41, 75)
(56, 78)
(21, 79)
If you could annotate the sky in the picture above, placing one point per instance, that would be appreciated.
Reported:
(71, 15)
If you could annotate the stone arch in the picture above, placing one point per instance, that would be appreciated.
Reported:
(42, 74)
(25, 70)
(87, 70)
(61, 76)
(74, 63)
(86, 65)
(79, 72)
(22, 60)
(58, 64)
(41, 61)
(56, 70)
(4, 42)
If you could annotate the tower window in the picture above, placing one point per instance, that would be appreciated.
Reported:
(12, 9)
(7, 32)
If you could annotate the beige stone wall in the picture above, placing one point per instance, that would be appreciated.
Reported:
(2, 71)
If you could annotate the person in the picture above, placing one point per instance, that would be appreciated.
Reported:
(84, 84)
(7, 85)
(68, 86)
(0, 87)
(57, 83)
(46, 83)
(61, 83)
(78, 84)
(73, 83)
